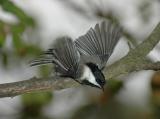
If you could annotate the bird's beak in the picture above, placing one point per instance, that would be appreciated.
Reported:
(102, 89)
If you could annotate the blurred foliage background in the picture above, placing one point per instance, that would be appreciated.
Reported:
(16, 48)
(19, 48)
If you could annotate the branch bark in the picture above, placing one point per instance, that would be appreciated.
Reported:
(133, 61)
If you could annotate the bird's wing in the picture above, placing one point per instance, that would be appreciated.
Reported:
(64, 54)
(98, 44)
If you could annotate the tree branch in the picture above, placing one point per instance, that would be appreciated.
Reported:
(133, 61)
(135, 57)
(35, 84)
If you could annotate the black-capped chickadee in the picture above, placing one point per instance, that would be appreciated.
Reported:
(83, 59)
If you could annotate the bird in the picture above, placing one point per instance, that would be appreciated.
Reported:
(83, 59)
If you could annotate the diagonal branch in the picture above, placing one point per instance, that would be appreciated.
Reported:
(135, 57)
(133, 61)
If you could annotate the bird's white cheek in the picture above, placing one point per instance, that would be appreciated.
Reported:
(88, 75)
(92, 79)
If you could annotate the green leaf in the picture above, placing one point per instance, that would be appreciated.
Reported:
(17, 41)
(2, 39)
(38, 99)
(4, 59)
(33, 104)
(114, 85)
(33, 49)
(12, 8)
(2, 34)
(45, 70)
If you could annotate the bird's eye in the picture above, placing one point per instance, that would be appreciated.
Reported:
(99, 77)
(101, 81)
